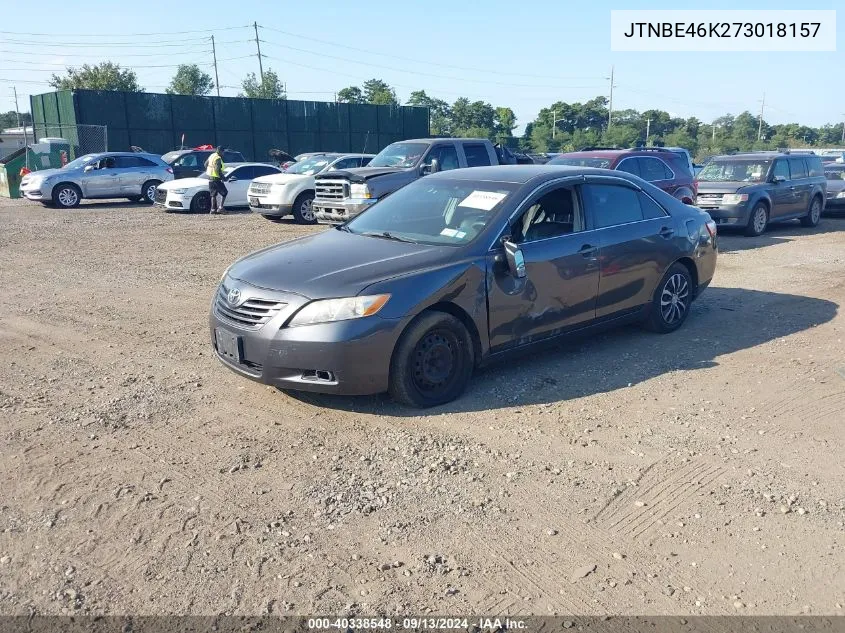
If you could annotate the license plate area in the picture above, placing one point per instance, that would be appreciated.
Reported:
(255, 202)
(229, 345)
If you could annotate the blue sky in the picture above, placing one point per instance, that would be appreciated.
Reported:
(527, 55)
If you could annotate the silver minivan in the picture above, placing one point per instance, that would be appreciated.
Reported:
(129, 175)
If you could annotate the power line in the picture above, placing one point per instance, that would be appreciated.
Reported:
(226, 28)
(168, 54)
(86, 45)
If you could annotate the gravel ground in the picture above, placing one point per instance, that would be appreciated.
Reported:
(694, 473)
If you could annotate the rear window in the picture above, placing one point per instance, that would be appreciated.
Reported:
(798, 168)
(815, 165)
(476, 154)
(834, 174)
(233, 157)
(578, 161)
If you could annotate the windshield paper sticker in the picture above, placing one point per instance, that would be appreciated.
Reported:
(447, 232)
(484, 200)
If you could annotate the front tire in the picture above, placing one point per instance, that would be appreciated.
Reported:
(303, 211)
(671, 301)
(67, 196)
(758, 220)
(201, 202)
(432, 362)
(148, 190)
(814, 213)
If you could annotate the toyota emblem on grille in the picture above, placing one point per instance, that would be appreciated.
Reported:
(234, 296)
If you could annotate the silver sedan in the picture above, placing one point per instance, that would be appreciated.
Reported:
(107, 175)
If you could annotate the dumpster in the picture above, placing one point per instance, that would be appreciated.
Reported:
(10, 170)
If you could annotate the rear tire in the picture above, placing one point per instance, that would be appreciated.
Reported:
(758, 220)
(201, 202)
(66, 196)
(148, 191)
(303, 212)
(432, 362)
(671, 301)
(814, 213)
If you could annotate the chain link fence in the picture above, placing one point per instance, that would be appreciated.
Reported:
(82, 139)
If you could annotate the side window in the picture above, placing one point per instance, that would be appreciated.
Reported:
(446, 155)
(798, 168)
(611, 205)
(243, 173)
(476, 154)
(781, 169)
(232, 157)
(652, 169)
(815, 165)
(346, 163)
(366, 161)
(188, 160)
(263, 171)
(630, 166)
(553, 214)
(650, 208)
(145, 162)
(126, 162)
(108, 162)
(833, 175)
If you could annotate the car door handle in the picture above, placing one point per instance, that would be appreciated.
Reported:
(666, 232)
(588, 250)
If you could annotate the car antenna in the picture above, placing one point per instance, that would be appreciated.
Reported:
(366, 139)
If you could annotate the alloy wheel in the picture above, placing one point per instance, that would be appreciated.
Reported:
(760, 220)
(673, 299)
(306, 210)
(151, 193)
(815, 211)
(68, 197)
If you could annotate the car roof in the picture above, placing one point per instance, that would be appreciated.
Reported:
(524, 173)
(436, 140)
(357, 155)
(614, 153)
(144, 154)
(248, 164)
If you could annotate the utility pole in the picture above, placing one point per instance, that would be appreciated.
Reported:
(214, 52)
(843, 129)
(25, 137)
(647, 129)
(258, 46)
(554, 123)
(610, 104)
(713, 136)
(17, 112)
(760, 123)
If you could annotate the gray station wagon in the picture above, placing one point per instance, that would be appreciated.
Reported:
(749, 191)
(129, 175)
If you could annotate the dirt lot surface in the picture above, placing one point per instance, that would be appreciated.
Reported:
(632, 473)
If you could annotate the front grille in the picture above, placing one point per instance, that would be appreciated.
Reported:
(161, 195)
(251, 314)
(715, 197)
(260, 188)
(331, 189)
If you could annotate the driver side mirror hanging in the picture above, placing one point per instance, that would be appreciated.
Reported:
(516, 261)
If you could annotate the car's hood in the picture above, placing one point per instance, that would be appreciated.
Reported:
(362, 174)
(44, 173)
(333, 263)
(724, 187)
(184, 183)
(282, 179)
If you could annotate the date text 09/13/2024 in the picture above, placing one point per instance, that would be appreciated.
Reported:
(417, 624)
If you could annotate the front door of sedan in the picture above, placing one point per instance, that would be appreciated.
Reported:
(103, 180)
(635, 236)
(558, 291)
(237, 183)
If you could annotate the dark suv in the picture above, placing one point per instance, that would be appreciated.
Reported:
(750, 190)
(661, 167)
(187, 163)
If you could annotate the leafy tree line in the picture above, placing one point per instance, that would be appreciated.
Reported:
(560, 127)
(10, 119)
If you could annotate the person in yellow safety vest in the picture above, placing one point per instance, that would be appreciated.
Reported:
(214, 170)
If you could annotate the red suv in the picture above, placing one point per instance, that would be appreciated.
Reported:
(661, 167)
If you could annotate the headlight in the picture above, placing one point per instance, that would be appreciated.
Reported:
(841, 194)
(359, 191)
(328, 310)
(225, 272)
(734, 198)
(178, 192)
(278, 186)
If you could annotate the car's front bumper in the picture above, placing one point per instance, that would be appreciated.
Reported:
(346, 357)
(728, 214)
(175, 201)
(834, 202)
(267, 206)
(36, 192)
(336, 211)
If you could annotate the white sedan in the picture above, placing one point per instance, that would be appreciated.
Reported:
(193, 194)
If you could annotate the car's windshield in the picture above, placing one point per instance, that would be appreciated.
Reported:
(428, 211)
(169, 157)
(80, 162)
(835, 174)
(399, 155)
(309, 166)
(578, 161)
(226, 172)
(735, 170)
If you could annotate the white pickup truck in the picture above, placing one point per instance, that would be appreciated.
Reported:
(292, 192)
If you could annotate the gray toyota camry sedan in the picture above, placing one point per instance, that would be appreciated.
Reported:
(458, 269)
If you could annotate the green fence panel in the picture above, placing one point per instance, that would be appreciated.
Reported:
(232, 113)
(335, 142)
(333, 117)
(415, 122)
(363, 143)
(264, 141)
(148, 111)
(191, 113)
(303, 142)
(51, 108)
(36, 107)
(386, 139)
(270, 114)
(363, 118)
(303, 117)
(67, 114)
(194, 138)
(153, 141)
(389, 119)
(237, 140)
(101, 107)
(119, 140)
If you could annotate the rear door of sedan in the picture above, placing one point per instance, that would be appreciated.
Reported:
(635, 236)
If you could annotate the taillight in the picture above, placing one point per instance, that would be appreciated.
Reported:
(169, 170)
(711, 228)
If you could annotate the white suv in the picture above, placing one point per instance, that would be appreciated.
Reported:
(292, 192)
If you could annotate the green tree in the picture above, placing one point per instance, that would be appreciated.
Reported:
(10, 119)
(378, 92)
(102, 76)
(439, 112)
(270, 87)
(190, 80)
(351, 94)
(504, 121)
